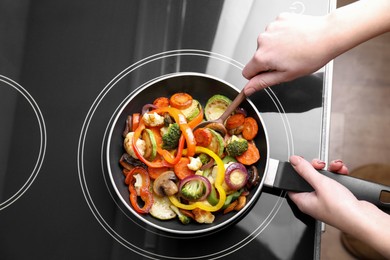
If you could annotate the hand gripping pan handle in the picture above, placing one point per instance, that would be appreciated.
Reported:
(288, 179)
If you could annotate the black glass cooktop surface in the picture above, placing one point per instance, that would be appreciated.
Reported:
(66, 67)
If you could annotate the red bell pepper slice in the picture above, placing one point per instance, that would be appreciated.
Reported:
(135, 121)
(145, 193)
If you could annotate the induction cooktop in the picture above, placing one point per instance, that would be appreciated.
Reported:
(66, 66)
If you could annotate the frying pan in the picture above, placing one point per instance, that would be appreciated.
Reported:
(273, 173)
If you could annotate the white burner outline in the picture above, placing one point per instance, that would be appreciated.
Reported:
(43, 142)
(80, 155)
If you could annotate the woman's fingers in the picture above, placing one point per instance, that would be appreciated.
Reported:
(318, 164)
(263, 80)
(252, 68)
(306, 170)
(338, 166)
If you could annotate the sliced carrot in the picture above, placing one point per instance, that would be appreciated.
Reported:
(230, 207)
(250, 156)
(181, 169)
(155, 172)
(235, 121)
(161, 102)
(250, 128)
(241, 203)
(135, 121)
(203, 136)
(180, 100)
(187, 213)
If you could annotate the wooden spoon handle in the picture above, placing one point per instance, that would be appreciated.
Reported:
(235, 103)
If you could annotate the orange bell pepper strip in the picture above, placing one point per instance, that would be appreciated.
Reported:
(154, 164)
(184, 126)
(187, 136)
(198, 119)
(169, 157)
(218, 186)
(145, 192)
(135, 121)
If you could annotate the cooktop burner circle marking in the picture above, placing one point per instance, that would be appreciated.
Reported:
(82, 177)
(43, 141)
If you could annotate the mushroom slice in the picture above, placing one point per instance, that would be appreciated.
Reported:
(165, 184)
(220, 128)
(254, 177)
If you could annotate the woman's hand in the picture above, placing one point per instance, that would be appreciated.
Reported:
(291, 46)
(330, 201)
(335, 205)
(296, 45)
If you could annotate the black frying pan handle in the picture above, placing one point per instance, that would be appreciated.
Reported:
(288, 179)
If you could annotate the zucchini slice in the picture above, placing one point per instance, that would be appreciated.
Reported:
(217, 144)
(150, 144)
(192, 111)
(161, 208)
(215, 106)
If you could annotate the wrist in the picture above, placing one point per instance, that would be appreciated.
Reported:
(353, 24)
(370, 226)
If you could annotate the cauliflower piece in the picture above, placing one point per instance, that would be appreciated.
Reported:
(199, 172)
(203, 216)
(128, 145)
(153, 119)
(195, 164)
(211, 180)
(163, 130)
(138, 183)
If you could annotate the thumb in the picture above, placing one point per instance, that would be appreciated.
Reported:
(306, 170)
(262, 81)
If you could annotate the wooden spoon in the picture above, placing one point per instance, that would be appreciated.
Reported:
(217, 124)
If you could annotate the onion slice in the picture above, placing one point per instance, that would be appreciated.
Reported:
(128, 126)
(208, 165)
(147, 107)
(194, 188)
(236, 176)
(240, 110)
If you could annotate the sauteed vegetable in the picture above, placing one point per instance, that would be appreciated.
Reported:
(173, 171)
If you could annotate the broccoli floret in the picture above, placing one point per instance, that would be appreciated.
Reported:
(193, 190)
(236, 146)
(183, 218)
(204, 158)
(171, 138)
